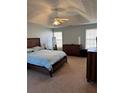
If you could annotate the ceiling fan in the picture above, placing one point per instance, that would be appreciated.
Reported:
(58, 20)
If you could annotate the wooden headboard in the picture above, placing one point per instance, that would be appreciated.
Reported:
(32, 42)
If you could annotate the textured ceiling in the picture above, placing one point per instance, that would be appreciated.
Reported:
(77, 11)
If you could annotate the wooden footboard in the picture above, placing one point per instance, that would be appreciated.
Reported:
(55, 66)
(59, 63)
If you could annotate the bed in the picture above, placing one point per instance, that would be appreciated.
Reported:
(47, 61)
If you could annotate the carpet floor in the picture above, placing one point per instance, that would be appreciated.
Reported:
(70, 78)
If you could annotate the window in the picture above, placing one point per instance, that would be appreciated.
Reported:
(91, 35)
(58, 36)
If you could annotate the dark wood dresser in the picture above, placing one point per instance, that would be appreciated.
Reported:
(91, 66)
(72, 49)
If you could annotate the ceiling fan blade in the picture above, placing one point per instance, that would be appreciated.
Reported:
(64, 19)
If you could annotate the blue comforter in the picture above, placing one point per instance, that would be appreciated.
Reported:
(45, 58)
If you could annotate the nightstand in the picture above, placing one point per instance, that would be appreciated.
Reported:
(55, 48)
(83, 52)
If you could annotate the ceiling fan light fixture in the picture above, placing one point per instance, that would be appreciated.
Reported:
(56, 22)
(59, 21)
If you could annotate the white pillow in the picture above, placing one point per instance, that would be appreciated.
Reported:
(37, 48)
(29, 50)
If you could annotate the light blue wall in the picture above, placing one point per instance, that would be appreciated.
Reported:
(72, 33)
(37, 31)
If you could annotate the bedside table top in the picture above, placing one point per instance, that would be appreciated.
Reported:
(94, 49)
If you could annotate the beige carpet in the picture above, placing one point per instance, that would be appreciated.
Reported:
(71, 78)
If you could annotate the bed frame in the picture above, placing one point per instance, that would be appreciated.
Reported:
(32, 42)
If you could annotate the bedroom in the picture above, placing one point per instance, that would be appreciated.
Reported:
(62, 28)
(71, 76)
